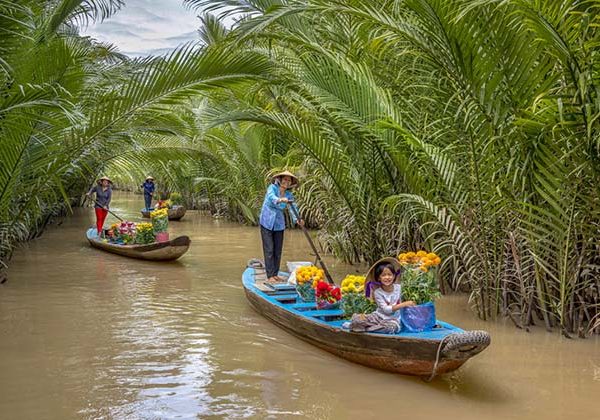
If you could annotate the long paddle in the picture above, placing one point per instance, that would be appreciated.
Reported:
(87, 196)
(310, 241)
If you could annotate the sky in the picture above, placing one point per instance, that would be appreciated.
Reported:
(144, 27)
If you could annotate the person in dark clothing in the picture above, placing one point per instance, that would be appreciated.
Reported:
(103, 192)
(272, 221)
(148, 187)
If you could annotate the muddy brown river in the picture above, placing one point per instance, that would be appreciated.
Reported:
(89, 335)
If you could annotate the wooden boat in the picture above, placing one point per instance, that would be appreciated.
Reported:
(157, 251)
(424, 354)
(175, 212)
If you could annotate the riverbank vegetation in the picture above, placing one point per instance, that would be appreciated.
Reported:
(469, 128)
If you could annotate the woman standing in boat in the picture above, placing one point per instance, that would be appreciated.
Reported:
(103, 196)
(272, 220)
(148, 187)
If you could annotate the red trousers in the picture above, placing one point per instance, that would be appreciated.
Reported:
(100, 218)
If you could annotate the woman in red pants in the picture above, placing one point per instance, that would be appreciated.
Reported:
(103, 195)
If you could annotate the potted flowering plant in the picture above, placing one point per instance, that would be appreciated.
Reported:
(123, 232)
(160, 223)
(163, 204)
(354, 300)
(144, 233)
(327, 295)
(306, 278)
(420, 285)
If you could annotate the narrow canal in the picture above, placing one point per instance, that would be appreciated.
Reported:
(89, 335)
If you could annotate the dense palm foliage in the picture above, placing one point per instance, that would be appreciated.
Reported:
(466, 127)
(69, 105)
(469, 127)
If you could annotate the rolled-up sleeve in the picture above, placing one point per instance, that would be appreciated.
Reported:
(272, 197)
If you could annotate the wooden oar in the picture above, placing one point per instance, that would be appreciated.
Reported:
(95, 201)
(311, 243)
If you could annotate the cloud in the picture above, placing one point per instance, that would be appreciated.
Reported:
(146, 27)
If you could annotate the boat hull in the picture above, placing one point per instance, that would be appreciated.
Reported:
(157, 251)
(175, 213)
(408, 354)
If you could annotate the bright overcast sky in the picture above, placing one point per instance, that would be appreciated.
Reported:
(145, 27)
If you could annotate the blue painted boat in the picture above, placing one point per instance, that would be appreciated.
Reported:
(425, 354)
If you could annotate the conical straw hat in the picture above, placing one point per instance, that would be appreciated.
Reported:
(295, 180)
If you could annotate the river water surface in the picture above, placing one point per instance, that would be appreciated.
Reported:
(89, 335)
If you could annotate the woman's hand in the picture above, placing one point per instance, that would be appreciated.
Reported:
(283, 200)
(105, 207)
(300, 222)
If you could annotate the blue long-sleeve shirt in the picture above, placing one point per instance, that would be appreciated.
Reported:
(271, 214)
(148, 187)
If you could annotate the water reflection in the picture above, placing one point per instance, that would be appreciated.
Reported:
(86, 334)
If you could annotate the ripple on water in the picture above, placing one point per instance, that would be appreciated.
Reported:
(85, 334)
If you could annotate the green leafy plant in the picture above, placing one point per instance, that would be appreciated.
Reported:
(419, 287)
(176, 199)
(356, 303)
(144, 233)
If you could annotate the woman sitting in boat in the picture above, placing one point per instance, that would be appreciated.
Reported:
(148, 187)
(381, 281)
(103, 196)
(272, 221)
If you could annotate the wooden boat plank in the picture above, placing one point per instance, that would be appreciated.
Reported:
(323, 312)
(286, 296)
(303, 305)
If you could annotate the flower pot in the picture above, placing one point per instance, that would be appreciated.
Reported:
(162, 236)
(418, 318)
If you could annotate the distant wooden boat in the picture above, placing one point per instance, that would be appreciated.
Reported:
(157, 251)
(175, 212)
(425, 354)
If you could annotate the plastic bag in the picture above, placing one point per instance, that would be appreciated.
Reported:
(306, 292)
(418, 318)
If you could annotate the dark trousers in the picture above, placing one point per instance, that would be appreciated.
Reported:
(272, 241)
(148, 200)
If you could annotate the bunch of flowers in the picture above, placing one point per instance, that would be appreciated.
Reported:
(160, 220)
(163, 204)
(327, 295)
(354, 300)
(419, 282)
(144, 233)
(422, 260)
(307, 278)
(123, 232)
(353, 284)
(176, 199)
